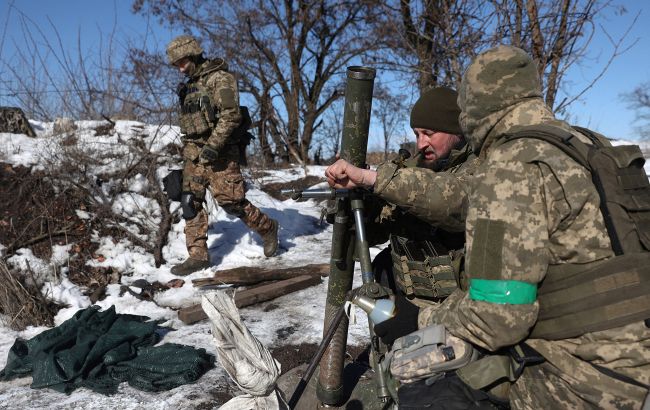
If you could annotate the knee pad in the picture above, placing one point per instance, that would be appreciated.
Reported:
(188, 200)
(236, 209)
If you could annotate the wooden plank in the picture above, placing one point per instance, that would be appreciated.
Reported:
(273, 290)
(250, 275)
(254, 295)
(192, 314)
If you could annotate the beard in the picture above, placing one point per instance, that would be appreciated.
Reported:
(436, 164)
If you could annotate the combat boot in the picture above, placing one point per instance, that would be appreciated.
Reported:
(271, 240)
(190, 265)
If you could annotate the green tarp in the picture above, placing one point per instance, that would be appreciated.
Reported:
(99, 350)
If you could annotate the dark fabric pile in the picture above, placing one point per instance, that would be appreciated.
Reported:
(99, 350)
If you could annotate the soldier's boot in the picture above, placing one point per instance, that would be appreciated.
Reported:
(196, 236)
(271, 240)
(266, 227)
(190, 266)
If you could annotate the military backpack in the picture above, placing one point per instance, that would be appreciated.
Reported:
(576, 299)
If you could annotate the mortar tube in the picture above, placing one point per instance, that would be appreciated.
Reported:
(354, 146)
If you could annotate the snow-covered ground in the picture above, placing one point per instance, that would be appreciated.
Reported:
(292, 319)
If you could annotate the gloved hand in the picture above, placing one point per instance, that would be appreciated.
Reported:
(208, 154)
(404, 322)
(181, 91)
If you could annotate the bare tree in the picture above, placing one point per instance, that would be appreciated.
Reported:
(639, 100)
(430, 40)
(291, 53)
(48, 78)
(434, 40)
(328, 136)
(390, 112)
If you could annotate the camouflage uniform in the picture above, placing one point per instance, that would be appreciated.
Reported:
(423, 261)
(397, 224)
(528, 207)
(210, 117)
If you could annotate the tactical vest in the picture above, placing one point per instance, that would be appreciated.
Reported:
(421, 271)
(425, 268)
(579, 298)
(198, 114)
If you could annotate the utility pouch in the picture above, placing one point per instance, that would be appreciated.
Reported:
(420, 271)
(243, 137)
(427, 353)
(194, 123)
(173, 184)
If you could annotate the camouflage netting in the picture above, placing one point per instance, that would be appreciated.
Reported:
(13, 120)
(99, 350)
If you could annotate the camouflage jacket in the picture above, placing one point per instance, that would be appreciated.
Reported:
(388, 218)
(221, 86)
(526, 207)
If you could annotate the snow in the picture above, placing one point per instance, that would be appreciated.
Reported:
(292, 319)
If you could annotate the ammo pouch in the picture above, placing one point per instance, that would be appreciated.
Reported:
(427, 353)
(173, 184)
(197, 116)
(419, 271)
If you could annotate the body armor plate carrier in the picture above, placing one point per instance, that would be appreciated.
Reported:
(421, 271)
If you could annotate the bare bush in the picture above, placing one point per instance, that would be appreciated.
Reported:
(49, 79)
(22, 302)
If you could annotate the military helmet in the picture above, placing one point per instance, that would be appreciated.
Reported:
(181, 47)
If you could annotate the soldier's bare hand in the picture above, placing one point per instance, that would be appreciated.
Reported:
(342, 174)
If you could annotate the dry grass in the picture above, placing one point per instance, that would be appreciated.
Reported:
(22, 302)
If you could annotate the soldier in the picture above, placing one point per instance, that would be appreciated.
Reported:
(212, 124)
(422, 263)
(547, 280)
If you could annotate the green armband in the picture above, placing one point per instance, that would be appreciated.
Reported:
(511, 292)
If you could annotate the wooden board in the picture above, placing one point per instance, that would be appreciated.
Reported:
(251, 296)
(250, 275)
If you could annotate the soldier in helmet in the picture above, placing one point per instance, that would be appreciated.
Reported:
(212, 124)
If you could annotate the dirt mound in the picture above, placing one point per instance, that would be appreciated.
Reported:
(13, 120)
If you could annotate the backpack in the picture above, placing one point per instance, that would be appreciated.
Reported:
(619, 177)
(575, 299)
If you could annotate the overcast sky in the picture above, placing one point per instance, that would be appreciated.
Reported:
(601, 108)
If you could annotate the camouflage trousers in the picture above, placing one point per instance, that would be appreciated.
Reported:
(225, 182)
(568, 380)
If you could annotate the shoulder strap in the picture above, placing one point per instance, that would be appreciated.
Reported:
(580, 152)
(558, 137)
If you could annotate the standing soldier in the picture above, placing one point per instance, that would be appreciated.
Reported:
(212, 124)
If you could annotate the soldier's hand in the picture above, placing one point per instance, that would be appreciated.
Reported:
(181, 91)
(342, 174)
(404, 322)
(208, 154)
